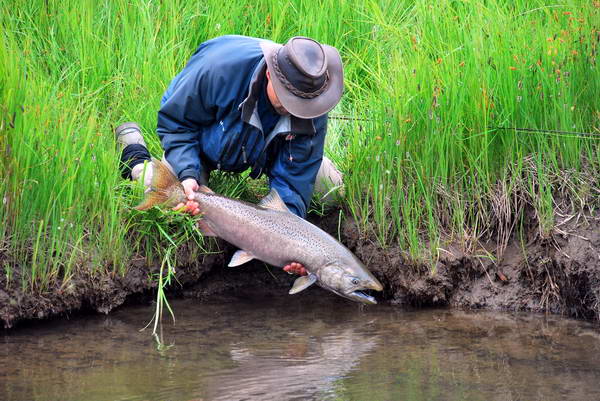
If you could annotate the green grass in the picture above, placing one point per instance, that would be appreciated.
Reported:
(427, 86)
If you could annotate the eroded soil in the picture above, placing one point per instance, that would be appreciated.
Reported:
(558, 274)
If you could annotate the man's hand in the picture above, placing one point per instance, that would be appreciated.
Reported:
(295, 268)
(190, 187)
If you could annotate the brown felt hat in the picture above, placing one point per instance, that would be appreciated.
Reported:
(307, 76)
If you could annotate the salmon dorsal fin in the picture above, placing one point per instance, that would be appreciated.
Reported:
(273, 201)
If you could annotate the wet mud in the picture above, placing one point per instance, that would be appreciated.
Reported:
(558, 274)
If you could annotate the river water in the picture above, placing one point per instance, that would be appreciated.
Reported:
(307, 347)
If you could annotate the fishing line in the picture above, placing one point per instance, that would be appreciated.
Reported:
(548, 131)
(569, 134)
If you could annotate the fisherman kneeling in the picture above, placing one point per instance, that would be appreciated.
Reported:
(246, 103)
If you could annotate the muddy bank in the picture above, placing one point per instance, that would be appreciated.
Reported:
(102, 293)
(558, 274)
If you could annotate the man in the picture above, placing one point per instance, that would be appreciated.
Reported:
(246, 103)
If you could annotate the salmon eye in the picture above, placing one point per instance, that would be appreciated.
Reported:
(354, 281)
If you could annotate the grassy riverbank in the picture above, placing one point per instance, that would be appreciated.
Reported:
(427, 142)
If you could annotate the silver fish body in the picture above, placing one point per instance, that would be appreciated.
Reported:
(271, 233)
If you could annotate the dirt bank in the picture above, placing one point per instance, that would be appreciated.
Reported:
(558, 274)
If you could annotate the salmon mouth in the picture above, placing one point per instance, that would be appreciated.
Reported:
(362, 297)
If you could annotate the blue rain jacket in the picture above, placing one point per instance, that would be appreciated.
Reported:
(209, 120)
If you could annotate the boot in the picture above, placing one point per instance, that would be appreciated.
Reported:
(329, 184)
(129, 134)
(134, 152)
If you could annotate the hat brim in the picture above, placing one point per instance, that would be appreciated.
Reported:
(319, 105)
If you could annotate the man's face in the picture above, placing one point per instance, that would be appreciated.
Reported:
(273, 98)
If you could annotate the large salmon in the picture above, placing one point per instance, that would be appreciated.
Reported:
(271, 233)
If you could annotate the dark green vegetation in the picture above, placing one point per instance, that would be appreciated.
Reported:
(427, 87)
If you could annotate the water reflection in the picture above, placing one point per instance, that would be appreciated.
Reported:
(311, 346)
(307, 366)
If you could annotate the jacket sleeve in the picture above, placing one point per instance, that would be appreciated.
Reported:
(295, 168)
(183, 113)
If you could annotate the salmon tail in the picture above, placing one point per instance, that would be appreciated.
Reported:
(165, 189)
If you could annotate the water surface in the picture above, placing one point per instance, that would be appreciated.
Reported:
(307, 347)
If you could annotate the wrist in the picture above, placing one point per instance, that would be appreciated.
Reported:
(196, 175)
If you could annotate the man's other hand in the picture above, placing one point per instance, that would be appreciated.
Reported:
(295, 268)
(190, 187)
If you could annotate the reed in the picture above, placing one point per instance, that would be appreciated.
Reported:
(430, 89)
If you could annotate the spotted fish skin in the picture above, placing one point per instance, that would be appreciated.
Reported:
(271, 233)
(274, 236)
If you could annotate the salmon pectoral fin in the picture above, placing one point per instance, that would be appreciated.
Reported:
(240, 257)
(303, 283)
(205, 229)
